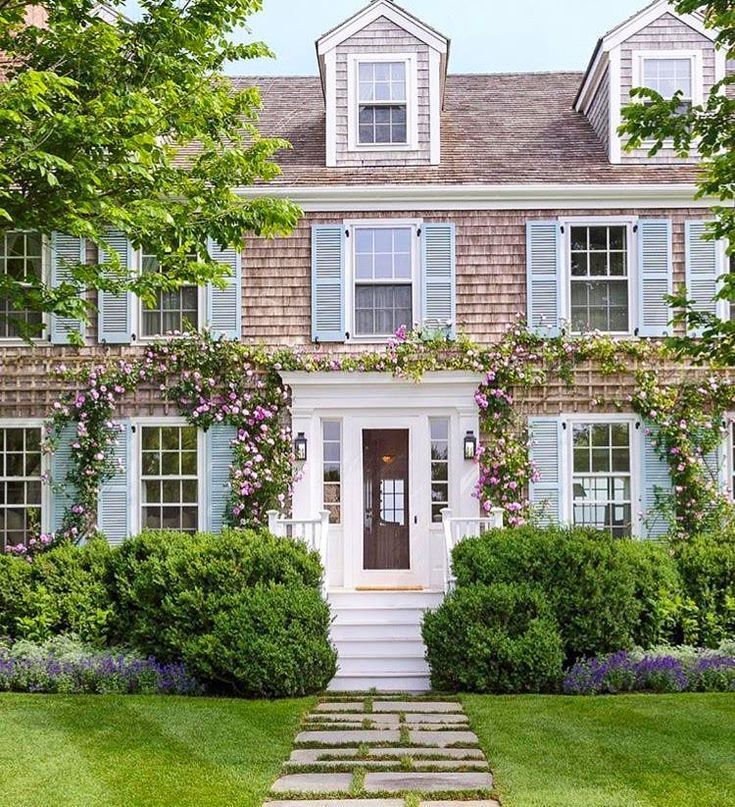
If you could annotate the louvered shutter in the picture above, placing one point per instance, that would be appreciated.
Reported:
(62, 495)
(115, 310)
(543, 255)
(438, 278)
(655, 276)
(224, 306)
(715, 463)
(655, 486)
(702, 269)
(219, 459)
(546, 453)
(328, 283)
(113, 511)
(66, 251)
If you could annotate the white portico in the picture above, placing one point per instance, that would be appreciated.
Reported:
(384, 457)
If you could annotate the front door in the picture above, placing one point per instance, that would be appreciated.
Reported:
(386, 502)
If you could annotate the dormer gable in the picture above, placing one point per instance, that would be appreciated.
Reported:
(658, 48)
(383, 73)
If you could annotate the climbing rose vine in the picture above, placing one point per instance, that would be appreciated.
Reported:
(214, 383)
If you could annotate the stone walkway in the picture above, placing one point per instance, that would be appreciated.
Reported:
(377, 752)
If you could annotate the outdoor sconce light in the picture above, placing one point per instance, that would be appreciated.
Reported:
(470, 446)
(300, 445)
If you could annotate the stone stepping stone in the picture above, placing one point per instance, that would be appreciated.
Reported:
(341, 706)
(347, 803)
(313, 783)
(442, 739)
(417, 706)
(426, 782)
(439, 719)
(419, 764)
(382, 720)
(311, 756)
(354, 737)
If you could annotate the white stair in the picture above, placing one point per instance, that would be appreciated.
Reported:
(378, 639)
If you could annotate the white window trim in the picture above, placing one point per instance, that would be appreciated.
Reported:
(36, 423)
(631, 222)
(45, 338)
(416, 290)
(567, 463)
(322, 441)
(137, 313)
(134, 491)
(412, 130)
(694, 57)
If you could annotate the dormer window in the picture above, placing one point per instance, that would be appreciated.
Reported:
(383, 103)
(670, 72)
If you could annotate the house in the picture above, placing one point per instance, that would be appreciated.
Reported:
(453, 202)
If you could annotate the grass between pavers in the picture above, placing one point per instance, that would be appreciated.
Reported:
(142, 750)
(631, 751)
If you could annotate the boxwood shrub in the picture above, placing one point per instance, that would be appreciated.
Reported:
(63, 591)
(498, 638)
(606, 594)
(242, 609)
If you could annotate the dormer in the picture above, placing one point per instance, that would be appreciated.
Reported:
(383, 73)
(658, 48)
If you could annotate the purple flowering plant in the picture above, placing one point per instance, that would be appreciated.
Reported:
(665, 671)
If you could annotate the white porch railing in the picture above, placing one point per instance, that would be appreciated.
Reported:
(314, 532)
(457, 529)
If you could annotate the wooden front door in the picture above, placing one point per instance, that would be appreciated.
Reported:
(386, 502)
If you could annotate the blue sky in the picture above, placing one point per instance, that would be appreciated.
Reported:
(488, 36)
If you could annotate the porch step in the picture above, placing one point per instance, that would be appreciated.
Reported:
(378, 639)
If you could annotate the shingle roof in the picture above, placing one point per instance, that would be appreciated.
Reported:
(516, 128)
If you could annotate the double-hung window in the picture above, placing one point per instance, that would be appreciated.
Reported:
(382, 103)
(20, 485)
(169, 495)
(21, 261)
(599, 277)
(601, 476)
(669, 73)
(384, 288)
(171, 311)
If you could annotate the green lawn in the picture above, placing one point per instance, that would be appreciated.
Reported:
(86, 751)
(626, 751)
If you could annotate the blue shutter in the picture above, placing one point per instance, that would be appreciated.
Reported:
(655, 484)
(62, 496)
(114, 317)
(66, 251)
(546, 454)
(219, 459)
(438, 261)
(113, 511)
(543, 255)
(328, 283)
(224, 306)
(715, 462)
(702, 269)
(655, 276)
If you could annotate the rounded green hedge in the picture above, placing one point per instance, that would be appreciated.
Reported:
(605, 594)
(499, 638)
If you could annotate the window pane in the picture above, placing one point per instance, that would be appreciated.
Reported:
(170, 500)
(20, 485)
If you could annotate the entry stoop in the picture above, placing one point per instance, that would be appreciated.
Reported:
(378, 639)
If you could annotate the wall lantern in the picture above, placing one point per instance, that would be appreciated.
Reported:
(300, 445)
(470, 446)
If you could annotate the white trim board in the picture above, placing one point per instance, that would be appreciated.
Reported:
(370, 198)
(374, 11)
